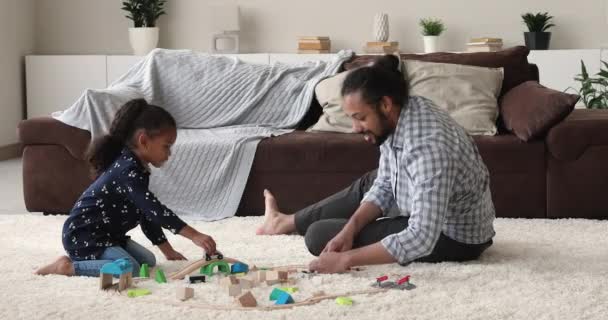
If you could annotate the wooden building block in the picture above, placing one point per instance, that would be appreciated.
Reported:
(185, 293)
(230, 280)
(105, 281)
(283, 275)
(246, 283)
(234, 290)
(247, 300)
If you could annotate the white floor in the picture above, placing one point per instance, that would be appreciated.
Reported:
(11, 187)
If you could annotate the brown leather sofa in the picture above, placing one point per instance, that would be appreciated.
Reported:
(560, 175)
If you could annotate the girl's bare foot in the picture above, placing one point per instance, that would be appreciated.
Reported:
(62, 266)
(275, 222)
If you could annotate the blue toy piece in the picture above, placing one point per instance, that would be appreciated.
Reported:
(276, 293)
(118, 267)
(239, 267)
(284, 298)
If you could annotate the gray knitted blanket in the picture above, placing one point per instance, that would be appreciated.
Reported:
(223, 107)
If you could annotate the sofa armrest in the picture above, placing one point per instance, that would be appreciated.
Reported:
(582, 129)
(49, 131)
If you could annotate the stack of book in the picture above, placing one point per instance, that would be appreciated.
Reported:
(381, 47)
(314, 44)
(484, 45)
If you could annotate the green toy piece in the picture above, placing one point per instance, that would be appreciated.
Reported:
(344, 301)
(275, 294)
(160, 276)
(289, 289)
(222, 266)
(132, 293)
(144, 271)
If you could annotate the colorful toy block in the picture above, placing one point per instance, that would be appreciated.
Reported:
(132, 293)
(160, 276)
(222, 266)
(284, 298)
(121, 268)
(239, 267)
(196, 279)
(344, 301)
(275, 294)
(144, 271)
(289, 289)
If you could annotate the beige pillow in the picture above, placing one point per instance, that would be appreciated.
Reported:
(468, 93)
(328, 94)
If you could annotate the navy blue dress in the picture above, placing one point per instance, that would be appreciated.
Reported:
(116, 202)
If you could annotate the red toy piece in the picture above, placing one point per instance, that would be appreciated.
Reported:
(383, 278)
(404, 280)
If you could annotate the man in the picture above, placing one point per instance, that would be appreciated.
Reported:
(430, 174)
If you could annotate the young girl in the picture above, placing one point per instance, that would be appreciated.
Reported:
(119, 200)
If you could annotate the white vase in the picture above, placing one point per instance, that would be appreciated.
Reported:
(380, 27)
(431, 44)
(143, 40)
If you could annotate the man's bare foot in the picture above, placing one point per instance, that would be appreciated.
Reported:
(275, 222)
(62, 266)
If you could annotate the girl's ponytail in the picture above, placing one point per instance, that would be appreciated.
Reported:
(104, 150)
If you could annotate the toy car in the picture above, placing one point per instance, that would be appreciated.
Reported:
(218, 255)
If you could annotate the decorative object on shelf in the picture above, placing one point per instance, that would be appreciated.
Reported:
(144, 34)
(537, 38)
(594, 90)
(226, 25)
(383, 47)
(431, 30)
(314, 44)
(380, 32)
(484, 45)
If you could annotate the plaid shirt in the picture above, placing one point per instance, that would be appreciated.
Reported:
(431, 168)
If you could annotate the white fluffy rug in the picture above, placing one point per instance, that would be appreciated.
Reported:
(536, 269)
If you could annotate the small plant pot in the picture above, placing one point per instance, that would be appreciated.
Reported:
(537, 40)
(143, 40)
(431, 44)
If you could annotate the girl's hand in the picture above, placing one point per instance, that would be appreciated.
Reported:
(204, 241)
(174, 255)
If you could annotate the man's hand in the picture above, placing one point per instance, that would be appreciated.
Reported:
(174, 255)
(204, 241)
(330, 262)
(342, 242)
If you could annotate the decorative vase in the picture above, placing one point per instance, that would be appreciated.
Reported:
(537, 40)
(143, 40)
(381, 27)
(430, 44)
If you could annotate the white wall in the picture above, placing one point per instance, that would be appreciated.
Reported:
(16, 40)
(99, 26)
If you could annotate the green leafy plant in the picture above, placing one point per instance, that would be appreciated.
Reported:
(432, 27)
(144, 13)
(594, 90)
(539, 22)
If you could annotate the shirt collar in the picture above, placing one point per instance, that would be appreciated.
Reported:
(397, 138)
(128, 155)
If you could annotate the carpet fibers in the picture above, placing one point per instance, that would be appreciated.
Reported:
(536, 269)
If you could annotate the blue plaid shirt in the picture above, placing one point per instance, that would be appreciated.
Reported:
(431, 169)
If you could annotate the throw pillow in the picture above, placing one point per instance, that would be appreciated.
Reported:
(469, 94)
(333, 118)
(530, 109)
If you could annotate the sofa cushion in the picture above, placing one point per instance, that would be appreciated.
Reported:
(467, 93)
(530, 109)
(514, 61)
(328, 93)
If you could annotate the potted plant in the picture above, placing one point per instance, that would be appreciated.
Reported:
(144, 13)
(537, 38)
(594, 90)
(431, 29)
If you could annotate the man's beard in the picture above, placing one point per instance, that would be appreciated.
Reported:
(385, 131)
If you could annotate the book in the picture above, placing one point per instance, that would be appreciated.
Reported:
(486, 40)
(382, 44)
(313, 51)
(383, 50)
(493, 44)
(314, 46)
(483, 48)
(313, 38)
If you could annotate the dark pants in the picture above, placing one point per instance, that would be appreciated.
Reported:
(322, 221)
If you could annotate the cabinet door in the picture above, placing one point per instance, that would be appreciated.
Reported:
(119, 65)
(54, 83)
